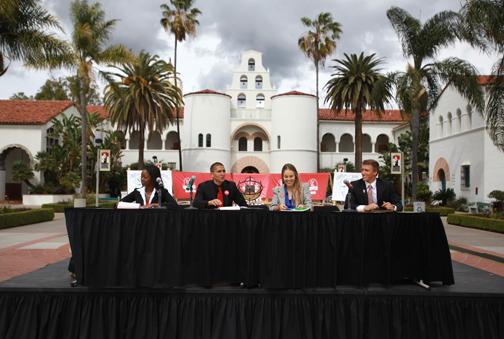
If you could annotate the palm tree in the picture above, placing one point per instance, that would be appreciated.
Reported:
(419, 88)
(181, 20)
(358, 85)
(90, 34)
(317, 45)
(140, 94)
(482, 26)
(23, 37)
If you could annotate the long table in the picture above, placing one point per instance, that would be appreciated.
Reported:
(162, 248)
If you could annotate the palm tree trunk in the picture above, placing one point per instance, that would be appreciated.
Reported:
(358, 139)
(141, 144)
(415, 130)
(318, 114)
(84, 136)
(177, 108)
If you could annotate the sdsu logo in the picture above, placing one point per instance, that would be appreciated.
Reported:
(313, 183)
(185, 184)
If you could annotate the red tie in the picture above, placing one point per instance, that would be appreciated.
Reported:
(220, 196)
(370, 194)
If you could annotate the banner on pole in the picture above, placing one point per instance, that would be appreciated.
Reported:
(104, 160)
(396, 163)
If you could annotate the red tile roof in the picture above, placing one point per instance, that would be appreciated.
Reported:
(208, 91)
(30, 112)
(485, 79)
(292, 93)
(390, 115)
(98, 109)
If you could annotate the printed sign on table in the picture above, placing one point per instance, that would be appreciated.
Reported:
(340, 190)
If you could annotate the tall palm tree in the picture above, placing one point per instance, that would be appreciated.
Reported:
(357, 84)
(23, 36)
(141, 95)
(180, 19)
(419, 88)
(318, 44)
(90, 34)
(482, 25)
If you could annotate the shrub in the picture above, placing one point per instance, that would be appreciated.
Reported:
(446, 196)
(14, 219)
(459, 204)
(423, 192)
(443, 211)
(483, 223)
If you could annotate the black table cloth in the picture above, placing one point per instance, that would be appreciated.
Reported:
(160, 248)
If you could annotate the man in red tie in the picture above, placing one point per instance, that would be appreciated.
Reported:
(371, 193)
(218, 191)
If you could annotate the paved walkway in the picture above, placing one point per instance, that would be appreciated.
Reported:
(27, 248)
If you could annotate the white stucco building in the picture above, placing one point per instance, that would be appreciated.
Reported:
(249, 127)
(461, 154)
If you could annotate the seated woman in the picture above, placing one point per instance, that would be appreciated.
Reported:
(147, 195)
(292, 193)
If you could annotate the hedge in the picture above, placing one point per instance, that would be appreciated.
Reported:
(26, 217)
(60, 207)
(443, 211)
(489, 224)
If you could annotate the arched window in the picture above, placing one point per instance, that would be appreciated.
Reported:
(242, 100)
(154, 141)
(260, 100)
(459, 120)
(208, 140)
(251, 64)
(258, 82)
(243, 82)
(382, 143)
(328, 143)
(200, 140)
(134, 140)
(449, 123)
(366, 144)
(258, 144)
(172, 141)
(242, 144)
(51, 140)
(346, 143)
(278, 141)
(441, 132)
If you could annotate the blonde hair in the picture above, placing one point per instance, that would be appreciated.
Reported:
(296, 192)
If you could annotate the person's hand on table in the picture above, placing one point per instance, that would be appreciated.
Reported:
(388, 206)
(371, 207)
(215, 202)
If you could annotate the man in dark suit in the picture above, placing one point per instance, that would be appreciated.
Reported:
(371, 193)
(218, 192)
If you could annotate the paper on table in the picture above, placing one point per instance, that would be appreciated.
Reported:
(229, 208)
(128, 205)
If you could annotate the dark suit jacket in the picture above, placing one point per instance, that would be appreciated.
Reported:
(167, 198)
(208, 191)
(384, 192)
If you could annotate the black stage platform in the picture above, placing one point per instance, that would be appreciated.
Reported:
(42, 305)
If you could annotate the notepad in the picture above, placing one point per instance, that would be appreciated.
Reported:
(229, 208)
(128, 205)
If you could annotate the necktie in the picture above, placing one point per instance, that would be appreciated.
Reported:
(370, 194)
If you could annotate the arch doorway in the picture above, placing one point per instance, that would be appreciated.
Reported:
(11, 189)
(442, 178)
(250, 169)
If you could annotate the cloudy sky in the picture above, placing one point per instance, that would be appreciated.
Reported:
(228, 27)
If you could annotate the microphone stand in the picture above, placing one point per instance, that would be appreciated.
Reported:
(191, 207)
(348, 202)
(160, 196)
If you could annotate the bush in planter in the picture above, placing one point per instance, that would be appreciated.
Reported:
(27, 217)
(459, 205)
(499, 196)
(446, 196)
(423, 193)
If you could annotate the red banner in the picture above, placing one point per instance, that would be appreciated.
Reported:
(251, 182)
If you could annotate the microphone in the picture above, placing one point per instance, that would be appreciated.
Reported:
(159, 181)
(191, 181)
(348, 184)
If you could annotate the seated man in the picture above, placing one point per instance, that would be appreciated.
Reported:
(218, 192)
(371, 193)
